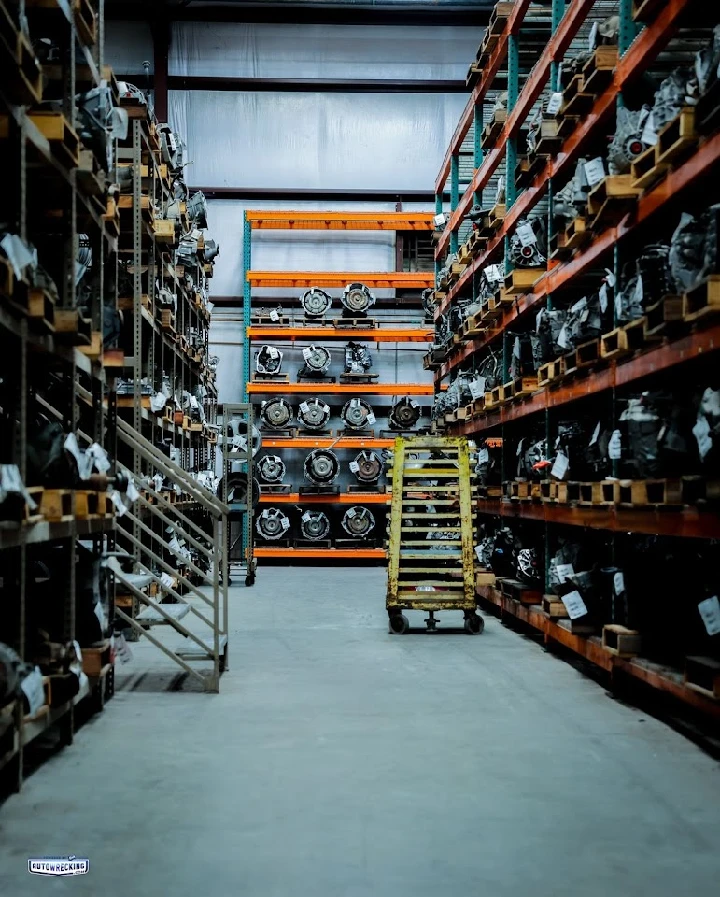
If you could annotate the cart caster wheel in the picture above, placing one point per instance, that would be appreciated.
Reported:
(474, 624)
(398, 624)
(250, 579)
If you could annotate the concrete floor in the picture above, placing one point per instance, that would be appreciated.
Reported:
(339, 761)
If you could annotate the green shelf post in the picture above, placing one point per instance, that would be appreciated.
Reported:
(438, 211)
(558, 11)
(478, 155)
(247, 298)
(513, 57)
(454, 195)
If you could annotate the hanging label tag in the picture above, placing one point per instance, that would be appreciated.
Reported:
(307, 352)
(354, 466)
(615, 446)
(526, 234)
(594, 171)
(554, 104)
(304, 407)
(593, 37)
(478, 552)
(603, 296)
(33, 689)
(483, 456)
(116, 499)
(710, 613)
(562, 338)
(477, 387)
(560, 467)
(274, 316)
(307, 516)
(639, 290)
(574, 605)
(564, 571)
(649, 135)
(619, 583)
(351, 512)
(701, 432)
(595, 435)
(371, 418)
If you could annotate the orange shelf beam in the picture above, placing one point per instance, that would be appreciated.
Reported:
(344, 442)
(378, 389)
(644, 48)
(374, 334)
(660, 677)
(345, 498)
(265, 552)
(413, 280)
(300, 220)
(700, 164)
(688, 522)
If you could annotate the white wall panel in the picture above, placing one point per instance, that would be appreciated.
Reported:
(309, 140)
(321, 51)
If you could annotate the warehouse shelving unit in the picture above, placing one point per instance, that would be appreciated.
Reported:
(416, 332)
(53, 361)
(649, 35)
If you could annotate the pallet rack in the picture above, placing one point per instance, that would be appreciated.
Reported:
(52, 355)
(649, 35)
(410, 333)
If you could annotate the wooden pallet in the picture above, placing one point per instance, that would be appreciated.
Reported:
(164, 231)
(605, 492)
(554, 607)
(583, 356)
(639, 493)
(519, 591)
(702, 674)
(522, 280)
(598, 70)
(493, 128)
(576, 100)
(548, 143)
(71, 327)
(92, 505)
(111, 218)
(663, 316)
(677, 139)
(63, 140)
(56, 505)
(524, 386)
(549, 491)
(702, 300)
(614, 345)
(564, 243)
(647, 171)
(550, 371)
(568, 493)
(567, 124)
(358, 378)
(611, 199)
(621, 641)
(20, 71)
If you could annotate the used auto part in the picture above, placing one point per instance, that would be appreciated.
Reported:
(197, 209)
(358, 521)
(314, 414)
(357, 299)
(314, 525)
(367, 467)
(276, 413)
(315, 302)
(404, 414)
(237, 489)
(321, 467)
(317, 359)
(272, 524)
(268, 360)
(357, 359)
(627, 143)
(271, 468)
(237, 433)
(357, 414)
(428, 302)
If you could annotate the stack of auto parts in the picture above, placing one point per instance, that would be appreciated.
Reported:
(527, 245)
(649, 282)
(694, 249)
(321, 467)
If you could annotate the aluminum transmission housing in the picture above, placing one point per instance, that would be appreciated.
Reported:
(358, 521)
(315, 302)
(272, 524)
(268, 360)
(314, 414)
(271, 468)
(367, 467)
(357, 414)
(314, 525)
(317, 359)
(404, 414)
(357, 299)
(321, 467)
(276, 413)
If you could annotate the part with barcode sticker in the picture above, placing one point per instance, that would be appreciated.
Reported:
(354, 466)
(595, 171)
(560, 467)
(710, 613)
(574, 605)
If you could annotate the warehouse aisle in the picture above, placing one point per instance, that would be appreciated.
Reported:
(341, 761)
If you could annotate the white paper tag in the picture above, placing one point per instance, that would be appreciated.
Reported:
(710, 613)
(478, 552)
(603, 296)
(526, 234)
(592, 37)
(306, 353)
(560, 467)
(564, 571)
(483, 456)
(594, 171)
(574, 605)
(701, 432)
(649, 135)
(554, 104)
(307, 516)
(131, 491)
(354, 466)
(33, 689)
(122, 649)
(619, 583)
(157, 402)
(304, 407)
(351, 512)
(370, 418)
(100, 458)
(595, 435)
(563, 337)
(274, 316)
(167, 580)
(639, 290)
(615, 446)
(477, 387)
(120, 506)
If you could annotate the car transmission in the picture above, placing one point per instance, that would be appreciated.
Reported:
(197, 209)
(237, 434)
(272, 524)
(314, 525)
(357, 359)
(428, 302)
(268, 360)
(358, 522)
(315, 302)
(525, 248)
(317, 360)
(357, 299)
(367, 467)
(321, 467)
(276, 413)
(314, 414)
(271, 468)
(404, 414)
(357, 414)
(627, 144)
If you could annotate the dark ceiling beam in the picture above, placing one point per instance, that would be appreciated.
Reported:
(312, 195)
(160, 29)
(299, 85)
(299, 15)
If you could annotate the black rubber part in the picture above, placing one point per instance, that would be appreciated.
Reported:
(398, 624)
(474, 624)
